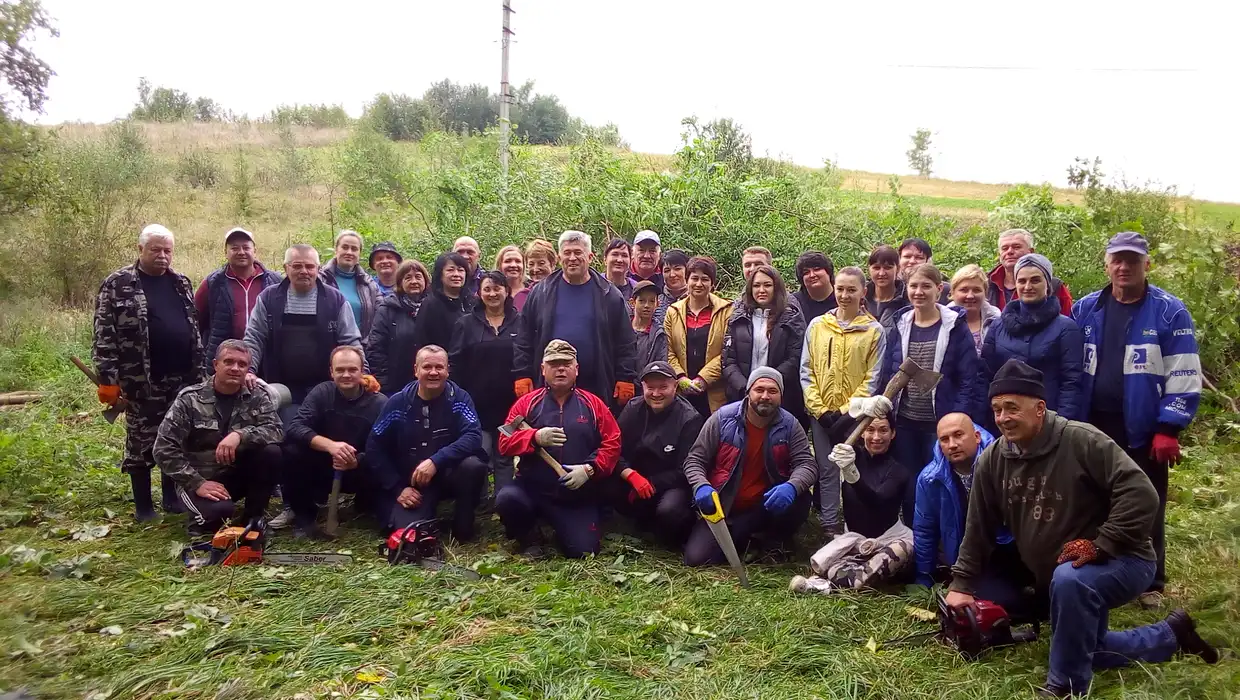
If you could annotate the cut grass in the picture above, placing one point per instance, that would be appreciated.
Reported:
(632, 623)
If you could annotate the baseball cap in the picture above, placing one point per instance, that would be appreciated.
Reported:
(237, 231)
(1130, 241)
(646, 236)
(660, 368)
(383, 247)
(642, 285)
(559, 350)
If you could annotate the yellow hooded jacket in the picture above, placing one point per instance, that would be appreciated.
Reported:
(839, 361)
(712, 372)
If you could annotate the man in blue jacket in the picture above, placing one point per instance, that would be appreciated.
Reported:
(1142, 373)
(426, 446)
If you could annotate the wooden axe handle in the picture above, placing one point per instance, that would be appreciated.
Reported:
(894, 387)
(542, 452)
(90, 373)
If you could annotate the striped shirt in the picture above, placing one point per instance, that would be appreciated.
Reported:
(304, 304)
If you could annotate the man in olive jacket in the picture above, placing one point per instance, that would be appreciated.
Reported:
(1081, 512)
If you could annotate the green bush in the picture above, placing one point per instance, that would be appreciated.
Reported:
(316, 116)
(198, 169)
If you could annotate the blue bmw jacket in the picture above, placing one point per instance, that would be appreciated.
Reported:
(1162, 371)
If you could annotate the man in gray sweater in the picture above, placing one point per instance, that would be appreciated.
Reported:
(1081, 512)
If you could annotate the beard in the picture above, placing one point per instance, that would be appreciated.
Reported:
(765, 410)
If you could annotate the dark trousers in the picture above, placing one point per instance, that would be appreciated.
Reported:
(307, 481)
(702, 549)
(575, 522)
(253, 477)
(667, 514)
(1160, 475)
(501, 466)
(913, 448)
(461, 483)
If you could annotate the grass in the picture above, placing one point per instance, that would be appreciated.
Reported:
(631, 623)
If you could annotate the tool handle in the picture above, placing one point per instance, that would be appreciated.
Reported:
(718, 514)
(894, 387)
(542, 452)
(90, 373)
(333, 504)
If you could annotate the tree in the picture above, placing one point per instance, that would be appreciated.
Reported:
(919, 157)
(22, 175)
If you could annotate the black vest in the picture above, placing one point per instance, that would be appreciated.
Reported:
(317, 354)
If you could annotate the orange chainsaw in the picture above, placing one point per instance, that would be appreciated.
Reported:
(233, 546)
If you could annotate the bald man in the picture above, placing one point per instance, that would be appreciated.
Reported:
(468, 248)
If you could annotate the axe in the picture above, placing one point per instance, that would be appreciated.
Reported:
(110, 413)
(518, 423)
(907, 372)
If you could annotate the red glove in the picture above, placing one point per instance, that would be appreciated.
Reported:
(1166, 449)
(370, 384)
(521, 387)
(641, 486)
(1080, 553)
(624, 392)
(108, 394)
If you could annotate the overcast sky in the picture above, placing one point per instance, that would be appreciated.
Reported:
(1013, 91)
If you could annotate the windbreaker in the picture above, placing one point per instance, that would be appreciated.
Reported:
(840, 360)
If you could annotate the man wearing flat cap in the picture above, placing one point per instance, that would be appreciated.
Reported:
(1080, 512)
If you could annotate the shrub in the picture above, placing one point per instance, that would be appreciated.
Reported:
(198, 169)
(316, 116)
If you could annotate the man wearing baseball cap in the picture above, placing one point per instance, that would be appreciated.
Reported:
(226, 297)
(384, 259)
(657, 429)
(576, 430)
(1142, 379)
(647, 258)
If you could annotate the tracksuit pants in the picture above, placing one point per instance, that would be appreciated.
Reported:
(253, 477)
(669, 513)
(307, 481)
(461, 483)
(702, 549)
(521, 506)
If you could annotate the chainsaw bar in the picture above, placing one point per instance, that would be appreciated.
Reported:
(306, 559)
(440, 565)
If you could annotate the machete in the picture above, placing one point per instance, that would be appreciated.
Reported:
(719, 529)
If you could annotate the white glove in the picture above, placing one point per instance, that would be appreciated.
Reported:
(845, 457)
(576, 477)
(872, 406)
(550, 437)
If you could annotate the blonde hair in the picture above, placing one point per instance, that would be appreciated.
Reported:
(540, 248)
(499, 257)
(929, 271)
(969, 273)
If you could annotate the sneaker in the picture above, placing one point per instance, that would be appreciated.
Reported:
(203, 532)
(534, 552)
(1186, 636)
(309, 531)
(1150, 600)
(281, 521)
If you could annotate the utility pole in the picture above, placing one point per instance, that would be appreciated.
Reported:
(505, 94)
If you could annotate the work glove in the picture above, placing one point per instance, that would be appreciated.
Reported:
(779, 498)
(521, 387)
(369, 384)
(108, 394)
(872, 406)
(550, 437)
(576, 477)
(624, 392)
(845, 457)
(641, 486)
(1080, 553)
(704, 499)
(1166, 448)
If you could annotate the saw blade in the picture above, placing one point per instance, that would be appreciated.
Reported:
(440, 565)
(306, 559)
(723, 537)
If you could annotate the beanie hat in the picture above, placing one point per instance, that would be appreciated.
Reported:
(1016, 377)
(765, 373)
(1034, 260)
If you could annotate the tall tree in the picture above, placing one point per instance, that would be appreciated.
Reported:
(25, 76)
(919, 157)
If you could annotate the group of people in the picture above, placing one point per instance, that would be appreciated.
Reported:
(640, 392)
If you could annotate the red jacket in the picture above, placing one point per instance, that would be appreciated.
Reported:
(998, 296)
(593, 436)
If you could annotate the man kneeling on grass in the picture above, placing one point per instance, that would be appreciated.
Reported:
(1081, 513)
(220, 442)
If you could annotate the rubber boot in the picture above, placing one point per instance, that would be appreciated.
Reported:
(144, 507)
(168, 496)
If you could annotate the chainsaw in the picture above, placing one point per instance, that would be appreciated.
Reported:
(419, 544)
(974, 629)
(234, 546)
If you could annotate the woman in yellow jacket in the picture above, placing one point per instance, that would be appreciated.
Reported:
(695, 328)
(840, 360)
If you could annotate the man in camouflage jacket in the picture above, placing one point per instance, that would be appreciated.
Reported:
(220, 442)
(147, 348)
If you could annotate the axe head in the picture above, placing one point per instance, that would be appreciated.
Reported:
(512, 426)
(927, 379)
(110, 414)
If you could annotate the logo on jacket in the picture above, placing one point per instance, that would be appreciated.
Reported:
(1140, 356)
(582, 419)
(669, 448)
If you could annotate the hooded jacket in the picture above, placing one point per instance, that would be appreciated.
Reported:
(894, 307)
(677, 350)
(840, 360)
(656, 444)
(1162, 371)
(783, 354)
(367, 292)
(1047, 341)
(390, 346)
(999, 296)
(480, 358)
(938, 518)
(1072, 483)
(954, 357)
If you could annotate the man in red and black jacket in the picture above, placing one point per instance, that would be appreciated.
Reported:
(574, 427)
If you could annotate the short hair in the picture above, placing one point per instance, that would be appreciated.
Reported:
(705, 265)
(436, 280)
(408, 266)
(153, 231)
(499, 257)
(615, 244)
(852, 271)
(302, 248)
(234, 345)
(675, 258)
(466, 239)
(348, 232)
(758, 250)
(918, 243)
(540, 248)
(431, 349)
(929, 271)
(361, 357)
(571, 236)
(970, 273)
(813, 260)
(1018, 233)
(883, 255)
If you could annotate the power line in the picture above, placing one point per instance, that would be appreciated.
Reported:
(1043, 68)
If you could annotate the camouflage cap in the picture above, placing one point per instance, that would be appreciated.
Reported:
(559, 350)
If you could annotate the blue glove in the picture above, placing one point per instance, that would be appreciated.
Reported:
(703, 497)
(779, 498)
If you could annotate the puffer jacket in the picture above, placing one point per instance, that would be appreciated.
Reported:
(712, 371)
(389, 346)
(783, 354)
(954, 357)
(999, 296)
(367, 291)
(840, 360)
(1046, 340)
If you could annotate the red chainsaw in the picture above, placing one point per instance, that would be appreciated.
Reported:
(419, 544)
(974, 629)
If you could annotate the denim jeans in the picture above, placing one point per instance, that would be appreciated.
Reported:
(913, 448)
(1080, 641)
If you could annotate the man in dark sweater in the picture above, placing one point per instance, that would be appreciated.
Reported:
(328, 437)
(872, 501)
(656, 431)
(1081, 512)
